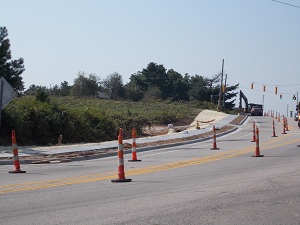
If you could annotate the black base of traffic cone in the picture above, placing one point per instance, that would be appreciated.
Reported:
(121, 180)
(214, 148)
(134, 160)
(257, 156)
(17, 171)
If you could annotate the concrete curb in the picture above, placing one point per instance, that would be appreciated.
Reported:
(243, 121)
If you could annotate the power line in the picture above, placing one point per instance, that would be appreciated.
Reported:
(286, 3)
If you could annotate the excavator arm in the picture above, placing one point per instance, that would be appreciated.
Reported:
(242, 96)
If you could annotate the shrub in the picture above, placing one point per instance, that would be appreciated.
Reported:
(83, 119)
(42, 94)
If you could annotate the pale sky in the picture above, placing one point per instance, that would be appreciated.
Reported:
(258, 39)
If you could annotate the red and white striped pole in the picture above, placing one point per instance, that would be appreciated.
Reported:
(121, 173)
(253, 132)
(286, 124)
(134, 156)
(257, 153)
(279, 117)
(16, 155)
(283, 126)
(274, 134)
(214, 139)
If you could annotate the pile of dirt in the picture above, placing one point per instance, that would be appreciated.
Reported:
(207, 117)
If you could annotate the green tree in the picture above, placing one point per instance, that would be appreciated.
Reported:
(31, 90)
(154, 83)
(65, 88)
(62, 90)
(176, 88)
(136, 87)
(42, 94)
(230, 95)
(10, 69)
(54, 90)
(114, 86)
(215, 80)
(152, 94)
(85, 86)
(199, 88)
(153, 76)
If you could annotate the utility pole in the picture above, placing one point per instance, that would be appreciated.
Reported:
(224, 91)
(263, 102)
(220, 95)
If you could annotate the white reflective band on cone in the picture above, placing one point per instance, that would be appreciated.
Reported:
(121, 162)
(121, 147)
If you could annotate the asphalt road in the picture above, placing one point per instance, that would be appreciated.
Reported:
(189, 184)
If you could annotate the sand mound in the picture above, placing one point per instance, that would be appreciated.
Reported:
(207, 117)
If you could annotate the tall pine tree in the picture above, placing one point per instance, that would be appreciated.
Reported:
(10, 69)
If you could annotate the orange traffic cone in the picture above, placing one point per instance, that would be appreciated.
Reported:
(121, 173)
(274, 135)
(283, 126)
(257, 153)
(16, 155)
(286, 125)
(253, 132)
(134, 157)
(214, 139)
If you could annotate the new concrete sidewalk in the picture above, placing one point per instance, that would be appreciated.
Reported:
(6, 152)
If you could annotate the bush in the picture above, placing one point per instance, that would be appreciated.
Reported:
(83, 119)
(41, 123)
(42, 94)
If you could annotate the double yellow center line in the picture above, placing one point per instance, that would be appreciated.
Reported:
(35, 185)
